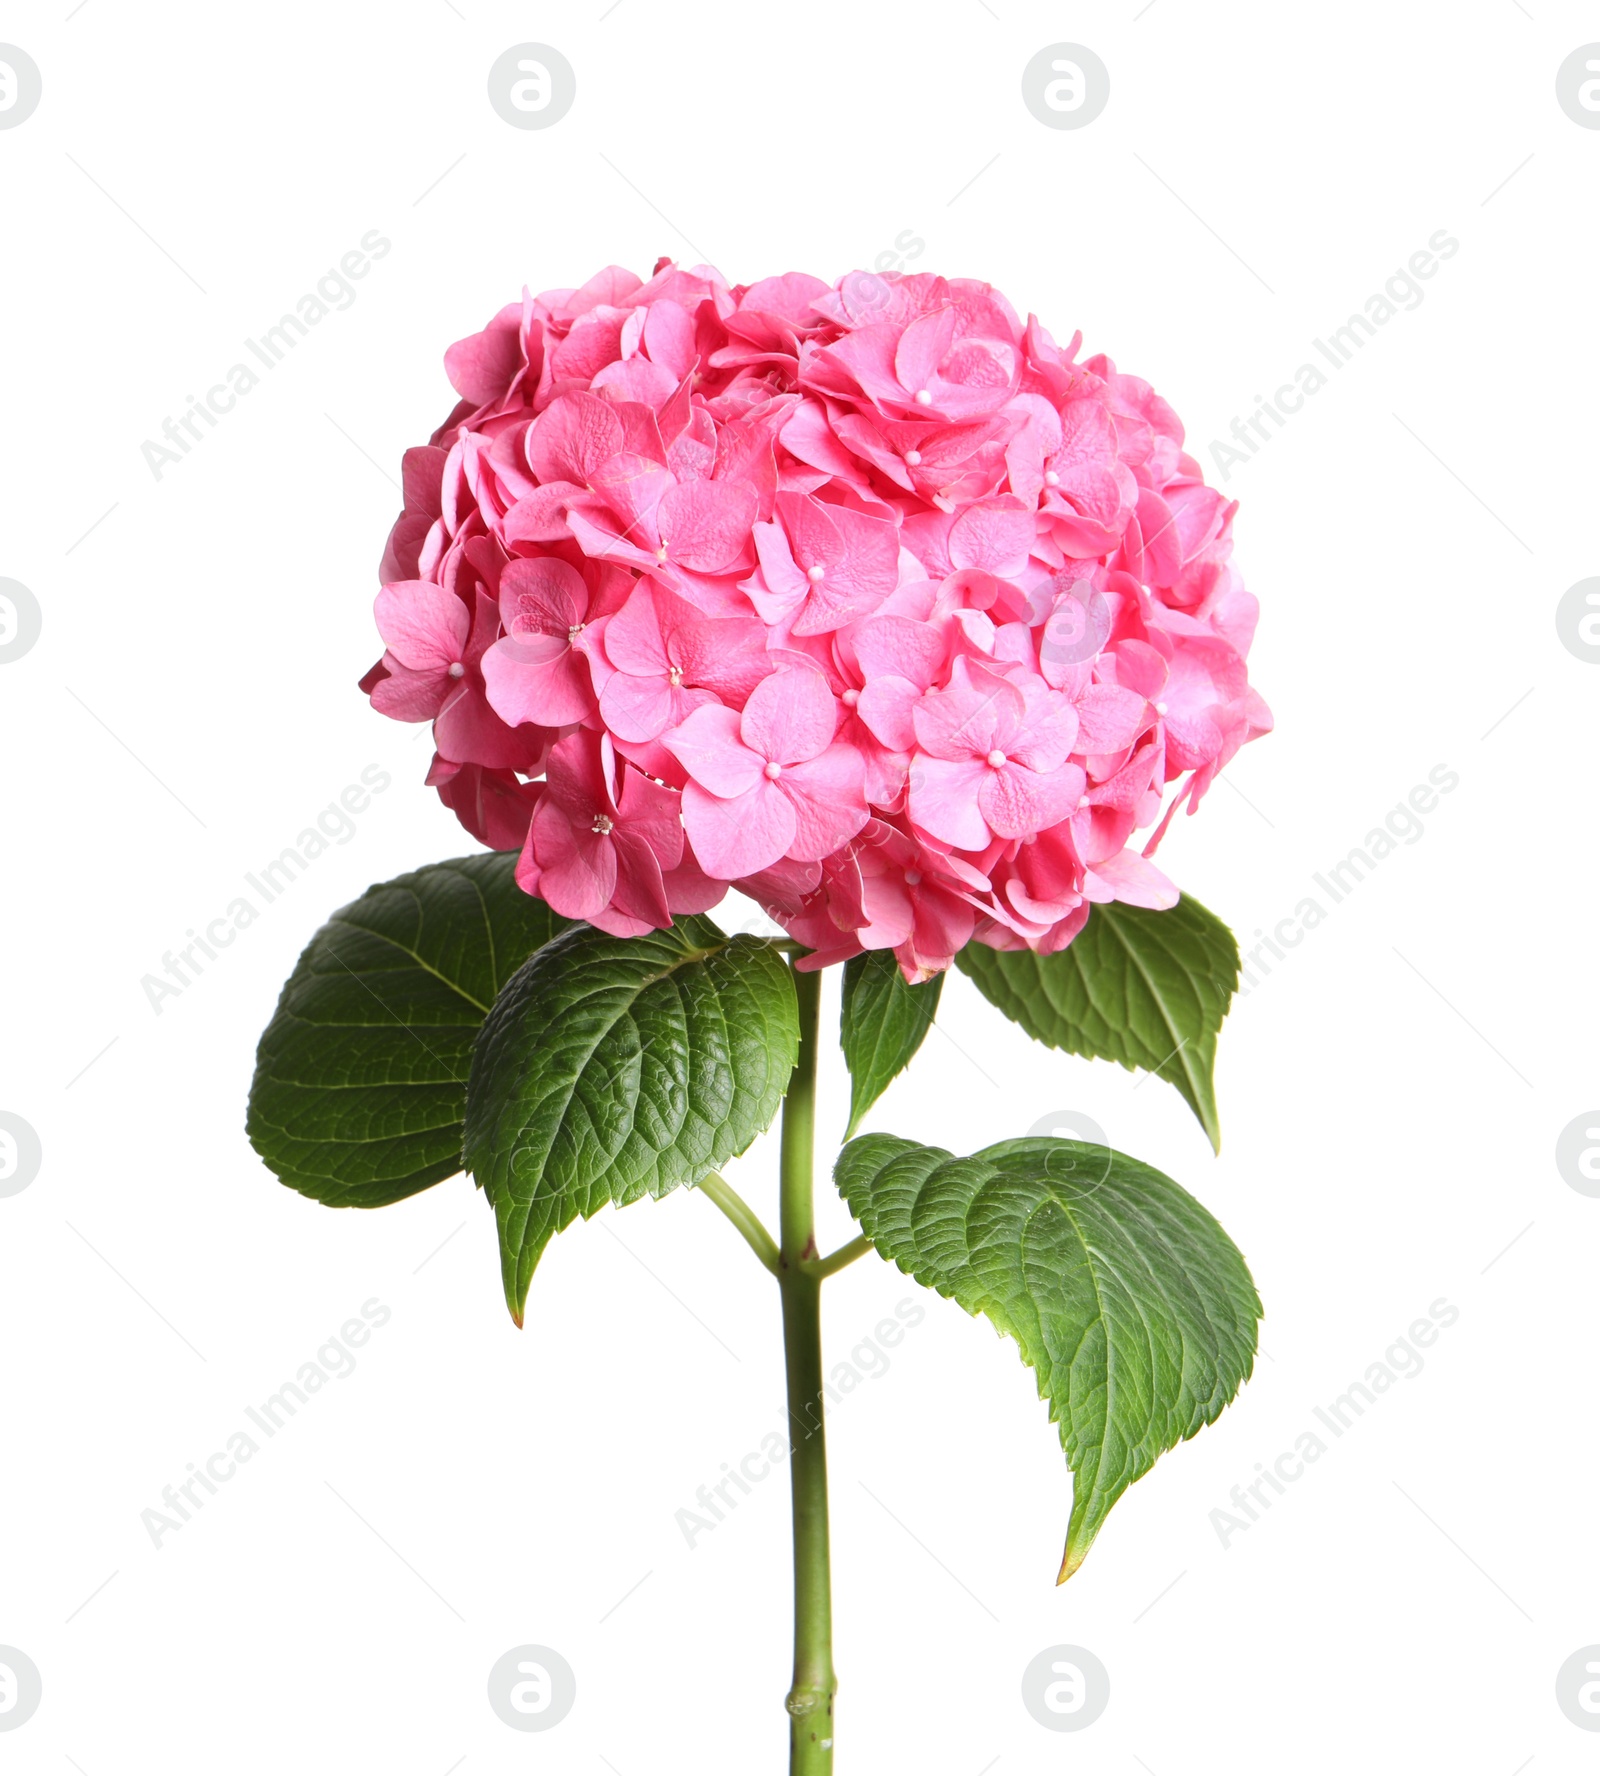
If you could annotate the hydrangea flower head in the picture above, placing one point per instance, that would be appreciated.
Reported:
(870, 601)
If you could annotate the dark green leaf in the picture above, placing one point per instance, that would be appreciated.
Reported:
(360, 1085)
(1148, 989)
(614, 1068)
(1126, 1297)
(882, 1022)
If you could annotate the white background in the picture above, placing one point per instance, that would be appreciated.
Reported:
(1391, 1095)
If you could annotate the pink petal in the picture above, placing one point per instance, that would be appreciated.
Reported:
(492, 805)
(791, 715)
(1048, 731)
(994, 535)
(639, 892)
(943, 800)
(706, 525)
(651, 812)
(542, 516)
(922, 349)
(886, 707)
(1016, 802)
(669, 338)
(594, 342)
(709, 748)
(538, 678)
(1109, 718)
(572, 437)
(632, 485)
(829, 803)
(727, 654)
(898, 646)
(633, 636)
(481, 368)
(1135, 881)
(603, 536)
(467, 730)
(976, 715)
(741, 835)
(543, 595)
(640, 709)
(406, 694)
(577, 868)
(808, 436)
(637, 379)
(422, 625)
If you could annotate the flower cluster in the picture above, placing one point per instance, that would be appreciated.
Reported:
(868, 600)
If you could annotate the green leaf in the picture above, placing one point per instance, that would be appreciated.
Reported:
(1148, 989)
(360, 1086)
(882, 1022)
(1126, 1297)
(613, 1068)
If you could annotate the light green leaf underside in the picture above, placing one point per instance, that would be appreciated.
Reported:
(1131, 1304)
(1148, 989)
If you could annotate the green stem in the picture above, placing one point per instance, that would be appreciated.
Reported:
(810, 1701)
(846, 1254)
(739, 1212)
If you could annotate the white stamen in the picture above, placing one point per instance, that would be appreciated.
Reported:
(1051, 478)
(913, 877)
(815, 573)
(996, 759)
(602, 823)
(1161, 709)
(575, 631)
(923, 398)
(913, 457)
(772, 769)
(851, 699)
(457, 670)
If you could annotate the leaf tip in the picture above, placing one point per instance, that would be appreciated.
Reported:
(1071, 1560)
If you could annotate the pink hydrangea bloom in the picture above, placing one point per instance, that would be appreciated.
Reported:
(870, 601)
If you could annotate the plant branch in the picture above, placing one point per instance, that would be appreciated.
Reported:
(846, 1254)
(810, 1699)
(717, 1188)
(799, 1118)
